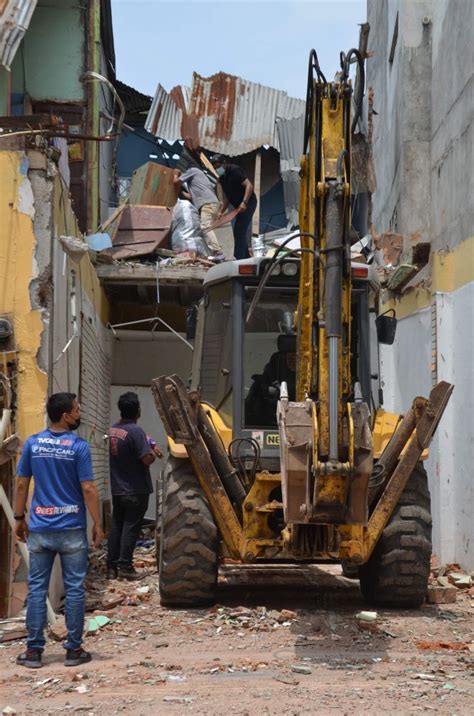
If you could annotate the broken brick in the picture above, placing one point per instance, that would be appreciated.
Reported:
(441, 595)
(58, 630)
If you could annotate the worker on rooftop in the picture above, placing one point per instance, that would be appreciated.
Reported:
(194, 185)
(238, 191)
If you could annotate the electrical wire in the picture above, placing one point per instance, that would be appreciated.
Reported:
(274, 261)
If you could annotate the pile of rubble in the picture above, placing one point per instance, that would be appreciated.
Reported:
(447, 581)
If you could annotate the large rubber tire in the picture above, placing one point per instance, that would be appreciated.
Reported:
(349, 570)
(189, 540)
(397, 573)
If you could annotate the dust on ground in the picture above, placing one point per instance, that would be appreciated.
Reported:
(281, 640)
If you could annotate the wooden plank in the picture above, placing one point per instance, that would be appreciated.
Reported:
(6, 553)
(153, 184)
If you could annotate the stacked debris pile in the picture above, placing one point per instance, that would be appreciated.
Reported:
(447, 582)
(153, 226)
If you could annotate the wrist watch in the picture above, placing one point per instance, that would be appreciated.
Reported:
(19, 517)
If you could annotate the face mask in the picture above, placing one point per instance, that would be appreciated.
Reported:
(75, 425)
(220, 171)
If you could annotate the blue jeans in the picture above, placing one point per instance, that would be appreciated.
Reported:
(242, 228)
(71, 545)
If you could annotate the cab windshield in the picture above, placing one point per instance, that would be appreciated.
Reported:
(269, 354)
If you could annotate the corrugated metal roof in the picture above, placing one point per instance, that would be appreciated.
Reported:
(133, 100)
(222, 113)
(290, 138)
(15, 16)
(164, 114)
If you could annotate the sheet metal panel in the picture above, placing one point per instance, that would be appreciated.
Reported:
(223, 113)
(290, 137)
(15, 16)
(164, 118)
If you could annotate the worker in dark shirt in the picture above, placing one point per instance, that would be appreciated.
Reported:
(264, 394)
(238, 191)
(131, 454)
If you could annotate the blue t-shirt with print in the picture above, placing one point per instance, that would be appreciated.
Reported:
(58, 463)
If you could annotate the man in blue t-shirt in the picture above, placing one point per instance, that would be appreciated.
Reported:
(61, 467)
(131, 454)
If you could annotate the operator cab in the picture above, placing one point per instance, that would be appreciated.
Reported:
(239, 366)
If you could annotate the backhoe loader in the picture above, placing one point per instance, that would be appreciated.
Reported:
(279, 451)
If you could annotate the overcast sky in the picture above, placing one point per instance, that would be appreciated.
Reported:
(266, 41)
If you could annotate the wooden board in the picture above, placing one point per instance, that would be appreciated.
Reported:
(152, 184)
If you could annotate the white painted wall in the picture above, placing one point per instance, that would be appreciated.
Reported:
(455, 455)
(406, 373)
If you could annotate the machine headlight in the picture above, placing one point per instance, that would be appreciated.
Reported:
(276, 270)
(290, 269)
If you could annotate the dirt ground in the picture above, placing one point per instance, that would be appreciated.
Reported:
(246, 656)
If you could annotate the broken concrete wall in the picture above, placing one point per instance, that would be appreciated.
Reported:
(452, 109)
(400, 74)
(48, 296)
(423, 138)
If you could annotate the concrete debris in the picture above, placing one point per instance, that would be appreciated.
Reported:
(401, 276)
(441, 594)
(259, 619)
(58, 630)
(196, 657)
(460, 579)
(12, 630)
(286, 680)
(424, 677)
(301, 669)
(286, 614)
(390, 244)
(9, 710)
(367, 616)
(446, 581)
(74, 248)
(442, 646)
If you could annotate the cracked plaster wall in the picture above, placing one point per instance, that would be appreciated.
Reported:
(423, 144)
(18, 266)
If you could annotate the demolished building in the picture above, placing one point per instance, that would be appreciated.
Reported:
(99, 322)
(420, 76)
(261, 128)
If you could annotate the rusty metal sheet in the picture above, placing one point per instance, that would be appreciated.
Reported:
(164, 114)
(140, 231)
(222, 113)
(15, 16)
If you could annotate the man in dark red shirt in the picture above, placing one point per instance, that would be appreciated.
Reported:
(131, 454)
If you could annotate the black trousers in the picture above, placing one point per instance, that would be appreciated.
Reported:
(243, 230)
(127, 518)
